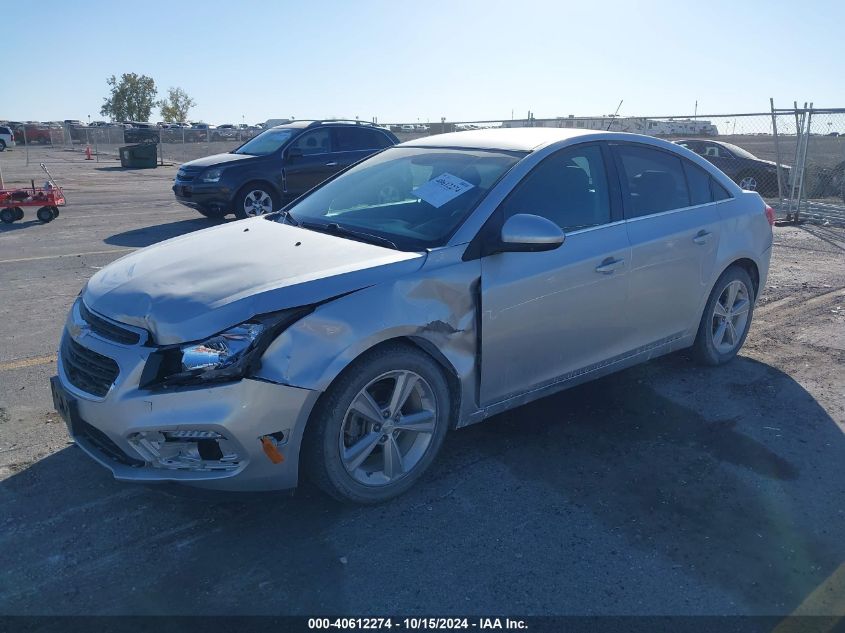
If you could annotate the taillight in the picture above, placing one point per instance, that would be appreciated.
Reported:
(770, 215)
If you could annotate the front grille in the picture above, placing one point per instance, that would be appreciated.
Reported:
(103, 443)
(86, 369)
(108, 330)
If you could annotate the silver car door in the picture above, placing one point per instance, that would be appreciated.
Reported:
(547, 315)
(674, 240)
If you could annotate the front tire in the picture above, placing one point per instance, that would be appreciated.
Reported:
(726, 319)
(212, 214)
(256, 199)
(379, 426)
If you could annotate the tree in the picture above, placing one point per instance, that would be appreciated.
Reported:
(132, 98)
(175, 108)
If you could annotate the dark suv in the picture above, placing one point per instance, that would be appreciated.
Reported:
(275, 167)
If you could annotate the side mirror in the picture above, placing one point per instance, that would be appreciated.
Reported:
(294, 152)
(530, 233)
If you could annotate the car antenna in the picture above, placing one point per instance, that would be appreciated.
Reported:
(614, 115)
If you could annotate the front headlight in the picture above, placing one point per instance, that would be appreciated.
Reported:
(212, 175)
(221, 351)
(229, 355)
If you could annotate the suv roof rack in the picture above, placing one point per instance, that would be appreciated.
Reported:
(356, 121)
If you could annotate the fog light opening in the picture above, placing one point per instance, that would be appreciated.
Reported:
(194, 450)
(209, 450)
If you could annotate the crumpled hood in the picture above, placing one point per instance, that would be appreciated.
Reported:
(197, 285)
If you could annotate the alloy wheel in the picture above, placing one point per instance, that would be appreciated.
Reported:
(749, 183)
(388, 428)
(257, 202)
(730, 317)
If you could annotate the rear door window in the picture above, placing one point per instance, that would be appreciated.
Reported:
(654, 180)
(718, 191)
(354, 139)
(699, 183)
(315, 142)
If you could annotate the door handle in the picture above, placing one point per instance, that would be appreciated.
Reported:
(332, 164)
(609, 265)
(702, 237)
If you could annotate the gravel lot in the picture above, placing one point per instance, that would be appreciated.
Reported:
(665, 489)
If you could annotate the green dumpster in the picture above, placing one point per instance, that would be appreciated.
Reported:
(139, 156)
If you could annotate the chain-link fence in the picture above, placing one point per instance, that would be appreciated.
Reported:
(176, 143)
(819, 194)
(794, 157)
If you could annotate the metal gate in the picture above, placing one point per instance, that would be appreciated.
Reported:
(813, 141)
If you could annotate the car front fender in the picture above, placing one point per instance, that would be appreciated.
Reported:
(435, 308)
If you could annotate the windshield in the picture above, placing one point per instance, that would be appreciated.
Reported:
(265, 143)
(414, 197)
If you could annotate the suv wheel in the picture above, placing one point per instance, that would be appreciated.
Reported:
(255, 199)
(211, 214)
(2, 145)
(379, 426)
(726, 319)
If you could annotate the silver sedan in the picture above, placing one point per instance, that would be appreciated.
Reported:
(427, 288)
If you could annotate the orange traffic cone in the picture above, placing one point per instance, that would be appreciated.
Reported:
(88, 153)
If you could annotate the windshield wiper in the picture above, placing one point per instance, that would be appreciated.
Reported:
(337, 229)
(287, 217)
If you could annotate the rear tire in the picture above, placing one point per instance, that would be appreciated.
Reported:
(748, 181)
(726, 319)
(375, 474)
(45, 214)
(7, 216)
(2, 145)
(18, 213)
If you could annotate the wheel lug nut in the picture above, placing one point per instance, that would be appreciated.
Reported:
(385, 414)
(383, 439)
(396, 433)
(376, 427)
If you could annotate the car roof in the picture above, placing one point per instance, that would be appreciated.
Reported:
(304, 123)
(515, 139)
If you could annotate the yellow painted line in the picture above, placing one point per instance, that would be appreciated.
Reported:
(27, 362)
(828, 599)
(32, 259)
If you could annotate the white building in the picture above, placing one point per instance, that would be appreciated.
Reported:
(637, 125)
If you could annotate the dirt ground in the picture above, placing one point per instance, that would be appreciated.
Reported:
(664, 489)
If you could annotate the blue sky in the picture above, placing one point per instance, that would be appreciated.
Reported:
(404, 61)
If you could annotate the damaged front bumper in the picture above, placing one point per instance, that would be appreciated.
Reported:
(241, 435)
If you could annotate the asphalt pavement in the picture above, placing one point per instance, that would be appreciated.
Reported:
(665, 489)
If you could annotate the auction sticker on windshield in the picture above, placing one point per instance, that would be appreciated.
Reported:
(442, 189)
